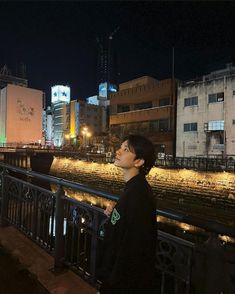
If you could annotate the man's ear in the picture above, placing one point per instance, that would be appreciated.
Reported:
(139, 162)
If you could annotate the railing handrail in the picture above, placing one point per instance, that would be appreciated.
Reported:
(60, 182)
(207, 225)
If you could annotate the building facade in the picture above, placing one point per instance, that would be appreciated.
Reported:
(7, 78)
(20, 115)
(92, 116)
(206, 116)
(145, 106)
(48, 126)
(60, 99)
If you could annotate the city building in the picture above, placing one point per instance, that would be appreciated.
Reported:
(20, 115)
(92, 116)
(107, 72)
(48, 126)
(60, 99)
(103, 101)
(6, 77)
(74, 129)
(93, 100)
(145, 106)
(70, 119)
(107, 66)
(206, 115)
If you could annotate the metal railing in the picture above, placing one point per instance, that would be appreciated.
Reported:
(198, 163)
(72, 231)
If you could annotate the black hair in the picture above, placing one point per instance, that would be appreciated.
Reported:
(143, 149)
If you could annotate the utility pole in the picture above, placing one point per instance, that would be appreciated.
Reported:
(173, 99)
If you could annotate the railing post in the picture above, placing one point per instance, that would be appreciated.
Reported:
(209, 271)
(94, 246)
(35, 217)
(59, 225)
(214, 264)
(3, 200)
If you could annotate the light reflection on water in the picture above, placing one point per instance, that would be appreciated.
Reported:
(86, 197)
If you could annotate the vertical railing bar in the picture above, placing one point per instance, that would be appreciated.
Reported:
(43, 225)
(94, 242)
(14, 201)
(18, 200)
(35, 216)
(85, 250)
(3, 198)
(72, 249)
(163, 283)
(52, 222)
(59, 217)
(78, 249)
(188, 282)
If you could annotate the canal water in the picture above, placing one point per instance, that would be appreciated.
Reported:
(193, 192)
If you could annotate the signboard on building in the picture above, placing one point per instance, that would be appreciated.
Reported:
(104, 88)
(60, 93)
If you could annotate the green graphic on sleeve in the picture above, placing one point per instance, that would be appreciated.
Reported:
(115, 216)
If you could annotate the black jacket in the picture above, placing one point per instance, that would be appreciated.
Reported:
(128, 254)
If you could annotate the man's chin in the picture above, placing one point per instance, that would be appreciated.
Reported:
(116, 162)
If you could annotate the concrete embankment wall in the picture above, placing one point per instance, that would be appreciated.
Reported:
(109, 178)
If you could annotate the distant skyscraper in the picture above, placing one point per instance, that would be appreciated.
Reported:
(107, 71)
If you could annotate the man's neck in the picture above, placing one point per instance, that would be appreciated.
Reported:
(130, 173)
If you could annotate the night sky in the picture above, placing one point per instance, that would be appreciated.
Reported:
(57, 40)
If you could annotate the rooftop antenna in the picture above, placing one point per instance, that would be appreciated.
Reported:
(99, 43)
(173, 63)
(5, 71)
(23, 70)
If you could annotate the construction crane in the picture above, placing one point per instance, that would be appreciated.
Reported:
(114, 32)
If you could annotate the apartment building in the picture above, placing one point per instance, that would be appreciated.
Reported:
(206, 115)
(145, 106)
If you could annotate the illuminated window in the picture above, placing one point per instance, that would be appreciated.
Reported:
(190, 127)
(191, 101)
(217, 97)
(216, 125)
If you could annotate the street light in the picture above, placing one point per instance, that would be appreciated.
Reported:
(67, 139)
(86, 135)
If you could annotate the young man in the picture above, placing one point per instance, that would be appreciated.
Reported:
(128, 256)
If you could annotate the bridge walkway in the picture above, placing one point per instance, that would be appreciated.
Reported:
(40, 263)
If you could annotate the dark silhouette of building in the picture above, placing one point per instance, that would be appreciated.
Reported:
(6, 77)
(107, 65)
